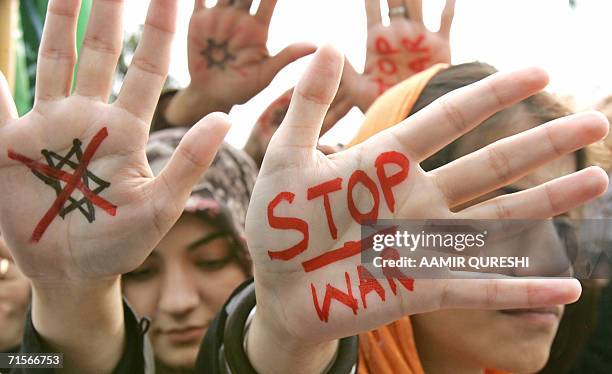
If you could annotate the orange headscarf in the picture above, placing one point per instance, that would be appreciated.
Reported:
(391, 349)
(395, 104)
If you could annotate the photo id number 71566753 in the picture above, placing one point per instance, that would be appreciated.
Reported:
(31, 361)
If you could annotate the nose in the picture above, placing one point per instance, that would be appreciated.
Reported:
(179, 294)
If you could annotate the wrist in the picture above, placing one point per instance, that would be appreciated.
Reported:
(66, 314)
(368, 96)
(365, 103)
(272, 350)
(190, 104)
(57, 291)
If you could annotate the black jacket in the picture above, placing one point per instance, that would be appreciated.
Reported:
(137, 357)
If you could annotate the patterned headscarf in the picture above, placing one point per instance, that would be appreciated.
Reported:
(222, 195)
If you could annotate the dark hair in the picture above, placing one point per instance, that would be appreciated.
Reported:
(539, 108)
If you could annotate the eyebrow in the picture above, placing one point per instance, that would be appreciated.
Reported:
(207, 239)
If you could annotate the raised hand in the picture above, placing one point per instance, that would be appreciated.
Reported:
(229, 62)
(303, 224)
(74, 170)
(80, 205)
(396, 52)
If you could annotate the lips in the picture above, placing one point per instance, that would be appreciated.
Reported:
(185, 335)
(546, 317)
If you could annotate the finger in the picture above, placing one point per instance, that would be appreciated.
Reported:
(198, 5)
(415, 10)
(373, 12)
(310, 102)
(397, 9)
(147, 73)
(285, 57)
(8, 111)
(509, 293)
(57, 51)
(447, 18)
(221, 3)
(547, 200)
(101, 49)
(265, 11)
(192, 157)
(459, 111)
(502, 162)
(343, 102)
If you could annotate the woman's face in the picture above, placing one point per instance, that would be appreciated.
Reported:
(181, 286)
(517, 341)
(14, 300)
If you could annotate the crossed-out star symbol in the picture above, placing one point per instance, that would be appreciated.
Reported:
(65, 183)
(58, 162)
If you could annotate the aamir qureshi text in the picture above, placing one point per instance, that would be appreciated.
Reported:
(471, 262)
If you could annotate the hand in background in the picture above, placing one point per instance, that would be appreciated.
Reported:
(229, 61)
(80, 204)
(395, 52)
(266, 125)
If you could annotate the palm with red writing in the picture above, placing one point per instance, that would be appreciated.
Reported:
(398, 51)
(303, 220)
(229, 62)
(102, 212)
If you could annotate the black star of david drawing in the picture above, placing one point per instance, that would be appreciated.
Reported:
(56, 161)
(217, 54)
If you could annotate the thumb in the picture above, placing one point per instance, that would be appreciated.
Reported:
(311, 99)
(288, 55)
(191, 159)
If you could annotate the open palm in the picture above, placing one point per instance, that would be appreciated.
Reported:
(228, 57)
(303, 224)
(397, 51)
(78, 197)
